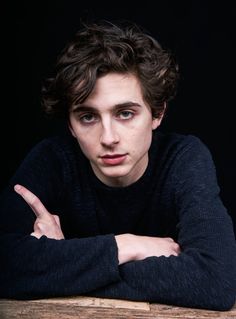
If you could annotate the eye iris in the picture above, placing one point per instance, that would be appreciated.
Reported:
(88, 117)
(125, 114)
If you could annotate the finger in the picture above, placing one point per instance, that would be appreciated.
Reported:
(33, 201)
(35, 234)
(57, 220)
(170, 239)
(177, 248)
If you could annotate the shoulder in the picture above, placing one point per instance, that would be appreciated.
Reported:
(179, 153)
(55, 142)
(57, 153)
(55, 158)
(188, 158)
(175, 144)
(58, 145)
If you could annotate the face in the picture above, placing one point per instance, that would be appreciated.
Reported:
(113, 127)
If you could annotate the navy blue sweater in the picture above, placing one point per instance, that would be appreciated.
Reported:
(178, 197)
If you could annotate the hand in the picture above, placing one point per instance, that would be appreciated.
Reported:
(132, 247)
(46, 223)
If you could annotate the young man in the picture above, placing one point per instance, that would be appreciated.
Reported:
(115, 208)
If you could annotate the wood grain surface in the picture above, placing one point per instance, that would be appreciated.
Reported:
(99, 308)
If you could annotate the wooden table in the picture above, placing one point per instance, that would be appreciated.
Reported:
(98, 308)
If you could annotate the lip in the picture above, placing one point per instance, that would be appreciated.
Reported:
(114, 159)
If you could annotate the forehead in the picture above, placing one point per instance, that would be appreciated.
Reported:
(115, 88)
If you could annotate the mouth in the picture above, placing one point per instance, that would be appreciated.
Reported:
(114, 159)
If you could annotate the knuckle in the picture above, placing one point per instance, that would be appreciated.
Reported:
(40, 226)
(36, 224)
(56, 217)
(32, 199)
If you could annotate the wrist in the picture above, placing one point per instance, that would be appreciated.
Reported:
(126, 248)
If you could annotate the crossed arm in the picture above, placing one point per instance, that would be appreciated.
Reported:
(130, 247)
(202, 275)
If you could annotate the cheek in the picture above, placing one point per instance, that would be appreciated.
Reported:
(87, 145)
(140, 140)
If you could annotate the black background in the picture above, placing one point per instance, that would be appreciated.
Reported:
(201, 34)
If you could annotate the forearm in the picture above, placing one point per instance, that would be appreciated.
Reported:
(183, 282)
(39, 268)
(202, 276)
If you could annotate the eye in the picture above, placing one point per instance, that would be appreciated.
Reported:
(87, 118)
(125, 115)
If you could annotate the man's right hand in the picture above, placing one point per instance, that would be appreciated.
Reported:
(133, 247)
(46, 223)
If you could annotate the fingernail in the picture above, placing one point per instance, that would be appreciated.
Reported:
(17, 187)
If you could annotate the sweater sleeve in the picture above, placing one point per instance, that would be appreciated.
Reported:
(39, 268)
(204, 274)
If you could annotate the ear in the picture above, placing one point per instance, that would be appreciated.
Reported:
(157, 120)
(71, 128)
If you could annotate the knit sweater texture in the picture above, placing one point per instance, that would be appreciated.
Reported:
(178, 196)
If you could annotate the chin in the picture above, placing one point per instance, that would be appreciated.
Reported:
(115, 172)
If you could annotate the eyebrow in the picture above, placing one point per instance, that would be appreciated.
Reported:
(88, 108)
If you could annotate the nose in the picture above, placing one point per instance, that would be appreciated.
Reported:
(109, 135)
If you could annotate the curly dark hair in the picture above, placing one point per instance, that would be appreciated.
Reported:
(104, 47)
